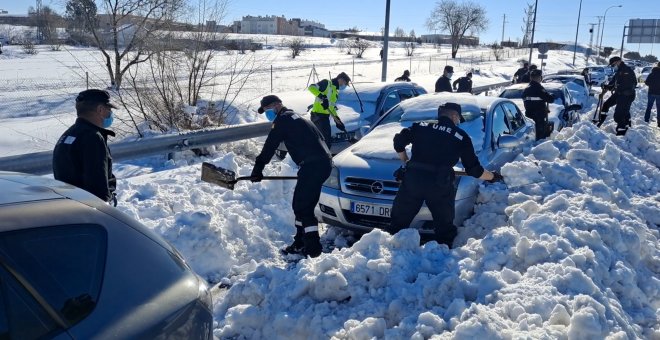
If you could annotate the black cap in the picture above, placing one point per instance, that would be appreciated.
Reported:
(525, 63)
(267, 100)
(449, 68)
(533, 67)
(535, 73)
(96, 96)
(406, 73)
(344, 76)
(469, 74)
(452, 107)
(614, 60)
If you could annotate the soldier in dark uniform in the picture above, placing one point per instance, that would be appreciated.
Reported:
(429, 175)
(464, 83)
(308, 150)
(624, 90)
(525, 78)
(443, 83)
(535, 98)
(404, 77)
(81, 156)
(520, 72)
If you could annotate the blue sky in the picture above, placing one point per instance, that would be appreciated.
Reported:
(556, 19)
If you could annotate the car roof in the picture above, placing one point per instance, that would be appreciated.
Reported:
(21, 188)
(370, 91)
(467, 101)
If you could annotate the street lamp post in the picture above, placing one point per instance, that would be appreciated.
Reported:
(600, 44)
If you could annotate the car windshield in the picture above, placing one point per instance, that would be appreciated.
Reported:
(559, 96)
(647, 69)
(597, 69)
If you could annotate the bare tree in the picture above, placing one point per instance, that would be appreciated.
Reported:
(409, 47)
(28, 43)
(296, 45)
(178, 88)
(412, 34)
(457, 19)
(359, 46)
(527, 24)
(497, 50)
(399, 32)
(124, 29)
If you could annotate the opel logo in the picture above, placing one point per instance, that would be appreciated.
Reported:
(377, 187)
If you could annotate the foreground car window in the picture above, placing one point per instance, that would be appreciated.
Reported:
(21, 317)
(64, 264)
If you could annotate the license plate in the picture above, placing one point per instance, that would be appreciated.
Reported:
(370, 209)
(343, 136)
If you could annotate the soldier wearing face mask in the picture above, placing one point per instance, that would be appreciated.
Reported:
(443, 84)
(81, 156)
(308, 150)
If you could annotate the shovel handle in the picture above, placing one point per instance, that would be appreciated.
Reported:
(264, 178)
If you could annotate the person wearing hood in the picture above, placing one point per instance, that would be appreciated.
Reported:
(624, 90)
(81, 156)
(464, 83)
(326, 93)
(653, 82)
(404, 77)
(443, 84)
(308, 150)
(520, 73)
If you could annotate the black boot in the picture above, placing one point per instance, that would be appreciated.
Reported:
(297, 246)
(312, 244)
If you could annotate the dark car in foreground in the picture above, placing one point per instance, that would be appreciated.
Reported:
(72, 267)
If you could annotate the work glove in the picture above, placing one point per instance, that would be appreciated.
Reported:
(399, 173)
(324, 101)
(257, 173)
(496, 177)
(340, 125)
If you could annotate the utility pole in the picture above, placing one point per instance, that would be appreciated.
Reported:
(577, 29)
(386, 38)
(531, 44)
(597, 37)
(503, 23)
(591, 41)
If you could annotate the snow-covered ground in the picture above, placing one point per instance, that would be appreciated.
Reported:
(568, 248)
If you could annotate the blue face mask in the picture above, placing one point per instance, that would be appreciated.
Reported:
(107, 122)
(615, 68)
(342, 87)
(270, 114)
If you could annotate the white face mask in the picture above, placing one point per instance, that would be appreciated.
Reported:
(450, 74)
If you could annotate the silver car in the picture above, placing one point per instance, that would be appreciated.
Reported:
(72, 267)
(359, 193)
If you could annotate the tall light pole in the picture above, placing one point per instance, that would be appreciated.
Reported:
(577, 29)
(386, 38)
(600, 44)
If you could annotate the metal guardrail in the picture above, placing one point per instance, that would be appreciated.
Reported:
(40, 163)
(482, 89)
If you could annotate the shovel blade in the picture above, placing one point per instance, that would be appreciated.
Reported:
(219, 176)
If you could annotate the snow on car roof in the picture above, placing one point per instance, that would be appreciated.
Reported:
(369, 91)
(426, 106)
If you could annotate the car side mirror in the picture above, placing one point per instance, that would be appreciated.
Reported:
(508, 142)
(364, 129)
(574, 107)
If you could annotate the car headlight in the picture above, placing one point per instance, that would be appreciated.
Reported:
(333, 179)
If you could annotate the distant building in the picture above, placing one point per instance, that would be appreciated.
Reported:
(279, 25)
(446, 39)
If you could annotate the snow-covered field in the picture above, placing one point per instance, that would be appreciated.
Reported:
(568, 248)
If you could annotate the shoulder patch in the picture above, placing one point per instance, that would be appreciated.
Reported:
(458, 136)
(69, 140)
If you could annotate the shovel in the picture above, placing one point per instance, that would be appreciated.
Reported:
(227, 178)
(599, 105)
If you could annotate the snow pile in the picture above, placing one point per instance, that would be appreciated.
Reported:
(569, 250)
